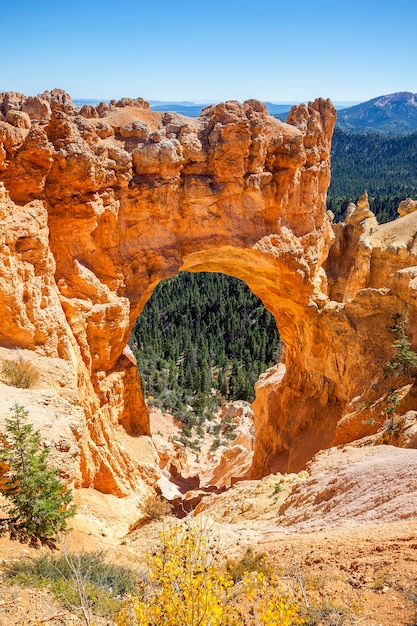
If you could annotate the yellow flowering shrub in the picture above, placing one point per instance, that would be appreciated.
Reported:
(187, 586)
(268, 604)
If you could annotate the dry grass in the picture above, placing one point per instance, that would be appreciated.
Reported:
(250, 562)
(103, 585)
(156, 507)
(20, 373)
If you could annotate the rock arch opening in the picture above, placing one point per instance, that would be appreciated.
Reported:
(202, 341)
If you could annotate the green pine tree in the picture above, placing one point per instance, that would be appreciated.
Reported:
(404, 357)
(39, 503)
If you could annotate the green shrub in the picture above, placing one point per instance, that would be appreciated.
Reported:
(328, 613)
(39, 503)
(216, 444)
(250, 562)
(404, 357)
(20, 374)
(103, 583)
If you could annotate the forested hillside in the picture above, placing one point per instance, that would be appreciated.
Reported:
(385, 166)
(202, 338)
(391, 115)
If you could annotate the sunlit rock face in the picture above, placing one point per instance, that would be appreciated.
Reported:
(102, 203)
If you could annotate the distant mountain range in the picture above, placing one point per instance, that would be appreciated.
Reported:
(391, 115)
(192, 109)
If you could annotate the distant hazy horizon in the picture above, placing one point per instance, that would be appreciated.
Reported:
(193, 103)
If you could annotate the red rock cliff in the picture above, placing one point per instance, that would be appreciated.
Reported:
(129, 197)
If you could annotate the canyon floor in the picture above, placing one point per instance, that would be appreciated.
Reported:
(346, 528)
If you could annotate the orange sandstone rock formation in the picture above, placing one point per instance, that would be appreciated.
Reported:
(129, 196)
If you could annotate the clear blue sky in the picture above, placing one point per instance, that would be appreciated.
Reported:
(212, 50)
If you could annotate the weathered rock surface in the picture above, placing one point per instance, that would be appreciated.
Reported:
(222, 455)
(407, 206)
(101, 204)
(342, 489)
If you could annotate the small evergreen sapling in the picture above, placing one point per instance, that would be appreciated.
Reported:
(40, 504)
(404, 357)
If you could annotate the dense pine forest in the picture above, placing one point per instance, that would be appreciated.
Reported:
(205, 338)
(385, 166)
(202, 339)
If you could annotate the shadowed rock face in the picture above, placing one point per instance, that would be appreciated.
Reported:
(132, 196)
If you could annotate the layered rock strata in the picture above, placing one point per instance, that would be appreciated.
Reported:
(100, 204)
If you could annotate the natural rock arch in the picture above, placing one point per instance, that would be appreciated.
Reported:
(113, 199)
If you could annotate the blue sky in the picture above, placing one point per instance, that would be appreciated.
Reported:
(210, 51)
